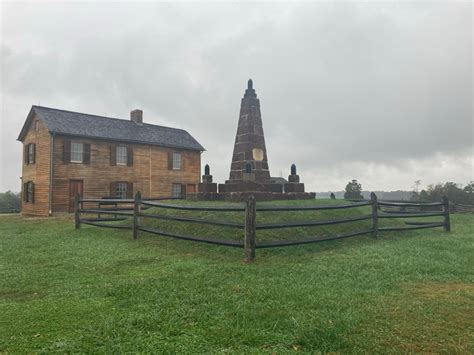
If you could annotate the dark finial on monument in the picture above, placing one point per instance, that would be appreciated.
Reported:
(248, 168)
(250, 92)
(293, 169)
(207, 170)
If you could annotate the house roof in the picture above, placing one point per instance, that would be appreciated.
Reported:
(100, 127)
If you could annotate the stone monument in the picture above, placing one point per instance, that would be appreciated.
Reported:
(207, 186)
(249, 172)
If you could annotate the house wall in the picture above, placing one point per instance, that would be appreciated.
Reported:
(39, 172)
(149, 173)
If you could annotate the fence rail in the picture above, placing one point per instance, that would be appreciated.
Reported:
(9, 210)
(250, 226)
(460, 208)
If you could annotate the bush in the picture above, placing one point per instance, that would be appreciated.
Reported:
(9, 202)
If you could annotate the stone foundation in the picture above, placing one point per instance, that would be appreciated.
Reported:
(294, 187)
(243, 196)
(207, 187)
(248, 186)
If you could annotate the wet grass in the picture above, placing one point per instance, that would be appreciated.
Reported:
(97, 290)
(263, 217)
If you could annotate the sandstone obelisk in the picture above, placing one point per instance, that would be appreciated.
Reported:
(249, 159)
(249, 173)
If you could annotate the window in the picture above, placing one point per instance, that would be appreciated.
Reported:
(121, 153)
(176, 161)
(121, 189)
(176, 191)
(77, 152)
(29, 192)
(31, 154)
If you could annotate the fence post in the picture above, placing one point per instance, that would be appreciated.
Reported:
(136, 211)
(447, 222)
(375, 215)
(77, 209)
(250, 219)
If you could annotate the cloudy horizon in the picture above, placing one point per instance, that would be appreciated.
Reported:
(376, 91)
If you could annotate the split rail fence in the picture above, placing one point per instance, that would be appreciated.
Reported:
(379, 210)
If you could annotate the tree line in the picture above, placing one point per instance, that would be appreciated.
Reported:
(456, 194)
(9, 202)
(433, 193)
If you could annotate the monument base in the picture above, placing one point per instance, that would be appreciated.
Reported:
(207, 187)
(244, 195)
(294, 187)
(248, 186)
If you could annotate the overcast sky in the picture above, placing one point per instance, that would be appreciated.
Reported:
(377, 91)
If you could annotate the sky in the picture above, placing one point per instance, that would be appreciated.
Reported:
(380, 92)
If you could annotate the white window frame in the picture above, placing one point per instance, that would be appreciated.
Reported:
(177, 161)
(121, 189)
(121, 157)
(79, 152)
(176, 190)
(31, 153)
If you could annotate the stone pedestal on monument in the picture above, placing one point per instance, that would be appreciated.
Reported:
(294, 184)
(207, 185)
(206, 190)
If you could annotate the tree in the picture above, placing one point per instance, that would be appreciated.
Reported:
(416, 186)
(424, 197)
(452, 191)
(9, 201)
(469, 191)
(469, 188)
(353, 191)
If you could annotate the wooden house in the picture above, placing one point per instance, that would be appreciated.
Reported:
(66, 152)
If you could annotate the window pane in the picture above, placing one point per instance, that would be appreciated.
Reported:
(121, 153)
(30, 153)
(121, 191)
(176, 161)
(176, 190)
(77, 150)
(29, 196)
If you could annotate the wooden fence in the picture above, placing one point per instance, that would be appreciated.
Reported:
(7, 210)
(460, 208)
(379, 210)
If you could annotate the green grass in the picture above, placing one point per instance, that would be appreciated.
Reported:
(220, 232)
(97, 290)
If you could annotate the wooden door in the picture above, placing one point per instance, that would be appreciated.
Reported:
(75, 187)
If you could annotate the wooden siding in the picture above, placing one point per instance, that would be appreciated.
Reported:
(38, 172)
(149, 173)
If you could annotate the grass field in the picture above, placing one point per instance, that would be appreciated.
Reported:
(97, 290)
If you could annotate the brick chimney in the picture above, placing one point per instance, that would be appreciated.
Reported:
(137, 116)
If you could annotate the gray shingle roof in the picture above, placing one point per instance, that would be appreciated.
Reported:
(100, 127)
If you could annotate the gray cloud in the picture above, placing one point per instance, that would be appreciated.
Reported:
(377, 91)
